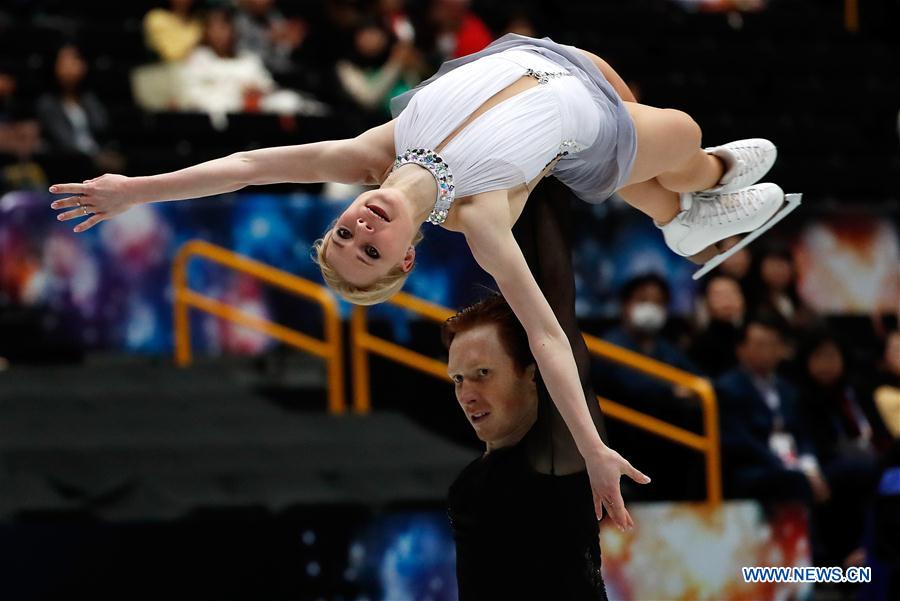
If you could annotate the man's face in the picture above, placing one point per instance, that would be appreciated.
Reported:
(761, 351)
(499, 401)
(725, 300)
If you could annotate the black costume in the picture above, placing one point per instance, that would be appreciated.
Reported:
(523, 516)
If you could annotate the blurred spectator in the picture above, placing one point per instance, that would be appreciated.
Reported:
(644, 303)
(392, 14)
(738, 265)
(73, 120)
(173, 33)
(262, 29)
(772, 289)
(886, 386)
(458, 30)
(842, 422)
(378, 69)
(20, 140)
(766, 452)
(521, 21)
(722, 312)
(846, 431)
(217, 79)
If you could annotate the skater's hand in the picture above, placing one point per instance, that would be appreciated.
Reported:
(605, 467)
(98, 199)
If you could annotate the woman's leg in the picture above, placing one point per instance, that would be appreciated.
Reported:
(668, 149)
(669, 160)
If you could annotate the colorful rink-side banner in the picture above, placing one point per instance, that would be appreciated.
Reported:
(109, 288)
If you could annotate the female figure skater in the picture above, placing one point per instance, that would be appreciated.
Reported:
(483, 132)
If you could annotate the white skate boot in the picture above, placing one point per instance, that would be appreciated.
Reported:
(746, 162)
(709, 218)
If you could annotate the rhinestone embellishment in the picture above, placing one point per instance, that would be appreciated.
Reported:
(545, 76)
(432, 161)
(565, 147)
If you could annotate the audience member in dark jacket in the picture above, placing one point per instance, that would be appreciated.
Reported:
(644, 302)
(766, 451)
(847, 431)
(73, 120)
(723, 312)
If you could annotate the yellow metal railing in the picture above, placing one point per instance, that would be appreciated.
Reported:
(708, 443)
(363, 343)
(329, 349)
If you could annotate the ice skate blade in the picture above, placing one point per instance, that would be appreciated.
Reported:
(792, 201)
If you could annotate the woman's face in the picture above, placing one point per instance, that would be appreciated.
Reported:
(777, 272)
(70, 67)
(826, 365)
(220, 34)
(372, 237)
(371, 41)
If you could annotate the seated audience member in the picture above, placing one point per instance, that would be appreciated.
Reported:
(20, 141)
(722, 314)
(885, 391)
(644, 312)
(377, 69)
(737, 265)
(557, 555)
(173, 33)
(772, 288)
(458, 31)
(73, 120)
(847, 434)
(263, 30)
(767, 454)
(216, 79)
(644, 302)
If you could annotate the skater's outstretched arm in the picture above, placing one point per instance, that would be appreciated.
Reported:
(362, 160)
(486, 224)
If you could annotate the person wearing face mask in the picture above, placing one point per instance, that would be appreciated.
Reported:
(644, 301)
(510, 498)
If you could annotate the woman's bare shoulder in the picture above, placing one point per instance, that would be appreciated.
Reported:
(481, 214)
(375, 148)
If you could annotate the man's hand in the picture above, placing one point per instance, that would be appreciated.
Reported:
(605, 468)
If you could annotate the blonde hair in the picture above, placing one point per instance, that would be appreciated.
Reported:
(381, 290)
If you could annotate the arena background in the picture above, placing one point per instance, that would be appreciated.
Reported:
(123, 475)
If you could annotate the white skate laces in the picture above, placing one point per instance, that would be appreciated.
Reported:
(746, 162)
(712, 210)
(709, 218)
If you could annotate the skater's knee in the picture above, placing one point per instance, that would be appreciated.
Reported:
(686, 129)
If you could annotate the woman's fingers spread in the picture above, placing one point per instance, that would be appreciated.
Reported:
(89, 223)
(65, 203)
(71, 214)
(637, 475)
(68, 188)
